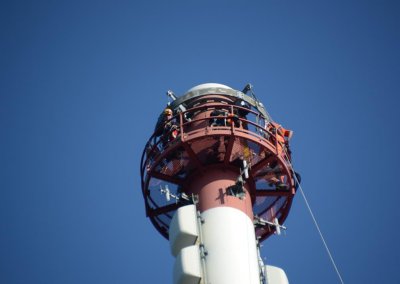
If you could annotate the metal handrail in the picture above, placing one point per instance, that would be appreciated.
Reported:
(155, 150)
(183, 123)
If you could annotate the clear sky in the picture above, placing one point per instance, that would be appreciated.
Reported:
(81, 86)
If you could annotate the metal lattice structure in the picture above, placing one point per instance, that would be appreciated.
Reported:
(212, 131)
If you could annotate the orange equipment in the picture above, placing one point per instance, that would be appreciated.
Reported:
(283, 135)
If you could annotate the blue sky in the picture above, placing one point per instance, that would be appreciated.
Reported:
(82, 84)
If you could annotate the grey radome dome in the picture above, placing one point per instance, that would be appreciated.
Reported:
(208, 85)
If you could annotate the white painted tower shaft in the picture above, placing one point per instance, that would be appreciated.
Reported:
(229, 238)
(217, 246)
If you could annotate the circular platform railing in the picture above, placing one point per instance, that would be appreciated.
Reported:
(204, 140)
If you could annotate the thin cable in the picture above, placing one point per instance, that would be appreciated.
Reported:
(312, 215)
(315, 221)
(320, 233)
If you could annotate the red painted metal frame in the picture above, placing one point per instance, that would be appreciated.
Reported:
(157, 155)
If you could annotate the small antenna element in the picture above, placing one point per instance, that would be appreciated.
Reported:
(171, 95)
